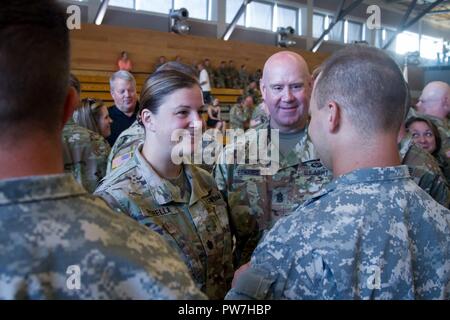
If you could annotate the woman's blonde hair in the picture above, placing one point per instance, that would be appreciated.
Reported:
(88, 114)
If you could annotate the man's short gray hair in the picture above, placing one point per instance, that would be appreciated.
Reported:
(121, 74)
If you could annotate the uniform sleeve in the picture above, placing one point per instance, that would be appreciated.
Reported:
(433, 184)
(285, 269)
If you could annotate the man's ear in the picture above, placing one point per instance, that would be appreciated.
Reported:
(71, 102)
(334, 116)
(148, 120)
(262, 88)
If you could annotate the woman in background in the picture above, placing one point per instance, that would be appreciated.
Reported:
(124, 63)
(426, 135)
(214, 120)
(94, 116)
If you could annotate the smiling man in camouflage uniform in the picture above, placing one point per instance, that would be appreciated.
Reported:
(56, 240)
(257, 200)
(372, 233)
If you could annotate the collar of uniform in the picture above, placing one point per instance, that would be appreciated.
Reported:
(365, 175)
(302, 152)
(165, 192)
(438, 121)
(36, 188)
(405, 145)
(199, 186)
(361, 176)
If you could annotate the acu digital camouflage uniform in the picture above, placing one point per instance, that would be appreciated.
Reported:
(239, 115)
(424, 170)
(125, 145)
(50, 223)
(196, 227)
(370, 234)
(85, 154)
(256, 201)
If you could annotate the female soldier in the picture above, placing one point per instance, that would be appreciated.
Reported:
(426, 135)
(94, 116)
(180, 201)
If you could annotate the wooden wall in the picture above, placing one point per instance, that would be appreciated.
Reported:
(98, 48)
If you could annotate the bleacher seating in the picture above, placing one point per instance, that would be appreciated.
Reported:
(95, 51)
(95, 84)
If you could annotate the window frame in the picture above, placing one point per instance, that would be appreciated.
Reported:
(272, 5)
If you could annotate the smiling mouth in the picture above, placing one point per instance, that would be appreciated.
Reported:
(288, 108)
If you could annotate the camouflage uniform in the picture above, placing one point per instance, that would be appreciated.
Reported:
(370, 234)
(244, 78)
(256, 201)
(197, 227)
(255, 93)
(50, 223)
(232, 80)
(238, 116)
(220, 77)
(424, 170)
(125, 145)
(259, 116)
(85, 155)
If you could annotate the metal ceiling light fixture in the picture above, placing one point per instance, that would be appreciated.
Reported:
(177, 21)
(283, 37)
(101, 12)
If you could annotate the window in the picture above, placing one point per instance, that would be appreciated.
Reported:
(197, 8)
(378, 41)
(259, 15)
(430, 47)
(122, 3)
(318, 24)
(354, 31)
(161, 6)
(336, 33)
(232, 7)
(284, 17)
(387, 34)
(407, 42)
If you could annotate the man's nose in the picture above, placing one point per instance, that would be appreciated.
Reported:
(287, 94)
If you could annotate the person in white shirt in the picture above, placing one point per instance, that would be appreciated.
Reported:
(204, 83)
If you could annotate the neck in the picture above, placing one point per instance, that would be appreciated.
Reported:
(28, 158)
(379, 152)
(401, 133)
(160, 161)
(128, 114)
(299, 126)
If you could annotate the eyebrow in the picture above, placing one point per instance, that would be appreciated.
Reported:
(290, 84)
(188, 107)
